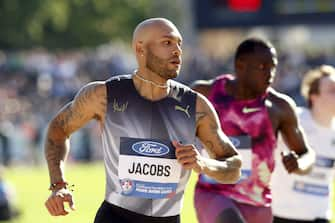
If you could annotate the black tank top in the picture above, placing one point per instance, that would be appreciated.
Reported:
(141, 169)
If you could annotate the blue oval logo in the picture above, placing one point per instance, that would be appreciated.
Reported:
(149, 148)
(236, 142)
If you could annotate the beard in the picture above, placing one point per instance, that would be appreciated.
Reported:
(160, 66)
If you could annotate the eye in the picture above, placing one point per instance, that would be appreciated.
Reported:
(167, 42)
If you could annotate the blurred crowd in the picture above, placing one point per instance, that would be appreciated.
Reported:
(34, 84)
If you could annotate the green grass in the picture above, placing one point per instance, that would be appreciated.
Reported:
(31, 186)
(32, 190)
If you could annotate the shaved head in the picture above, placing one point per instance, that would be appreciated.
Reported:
(145, 30)
(157, 46)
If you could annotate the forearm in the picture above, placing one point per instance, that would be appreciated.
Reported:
(226, 171)
(56, 151)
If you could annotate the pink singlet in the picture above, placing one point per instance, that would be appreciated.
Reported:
(247, 124)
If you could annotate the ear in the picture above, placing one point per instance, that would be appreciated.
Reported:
(313, 97)
(139, 48)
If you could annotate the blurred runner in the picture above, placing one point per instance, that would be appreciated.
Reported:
(251, 114)
(308, 199)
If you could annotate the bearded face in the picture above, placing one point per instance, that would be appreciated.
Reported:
(166, 68)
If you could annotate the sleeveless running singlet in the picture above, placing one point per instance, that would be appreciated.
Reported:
(307, 197)
(142, 173)
(247, 124)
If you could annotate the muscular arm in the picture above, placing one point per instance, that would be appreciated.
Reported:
(224, 164)
(293, 136)
(88, 104)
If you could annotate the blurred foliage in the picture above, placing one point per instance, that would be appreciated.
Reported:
(65, 24)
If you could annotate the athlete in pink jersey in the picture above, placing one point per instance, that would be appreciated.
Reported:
(251, 114)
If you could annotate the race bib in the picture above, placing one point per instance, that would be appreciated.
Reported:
(316, 182)
(243, 145)
(148, 168)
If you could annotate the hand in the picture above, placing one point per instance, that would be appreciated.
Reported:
(189, 157)
(55, 203)
(290, 161)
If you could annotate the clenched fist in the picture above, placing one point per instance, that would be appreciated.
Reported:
(55, 203)
(290, 161)
(189, 157)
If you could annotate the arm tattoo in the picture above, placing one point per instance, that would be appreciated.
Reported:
(63, 119)
(73, 116)
(199, 116)
(81, 101)
(219, 141)
(55, 153)
(76, 113)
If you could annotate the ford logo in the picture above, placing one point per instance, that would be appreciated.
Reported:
(236, 142)
(149, 148)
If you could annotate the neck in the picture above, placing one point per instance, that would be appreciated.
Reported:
(241, 92)
(323, 117)
(150, 85)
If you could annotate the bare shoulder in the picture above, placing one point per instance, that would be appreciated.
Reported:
(204, 109)
(92, 98)
(89, 103)
(281, 107)
(202, 86)
(93, 89)
(281, 100)
(202, 102)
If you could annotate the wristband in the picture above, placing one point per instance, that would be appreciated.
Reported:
(58, 185)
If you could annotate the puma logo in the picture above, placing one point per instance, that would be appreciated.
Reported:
(119, 107)
(246, 110)
(185, 110)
